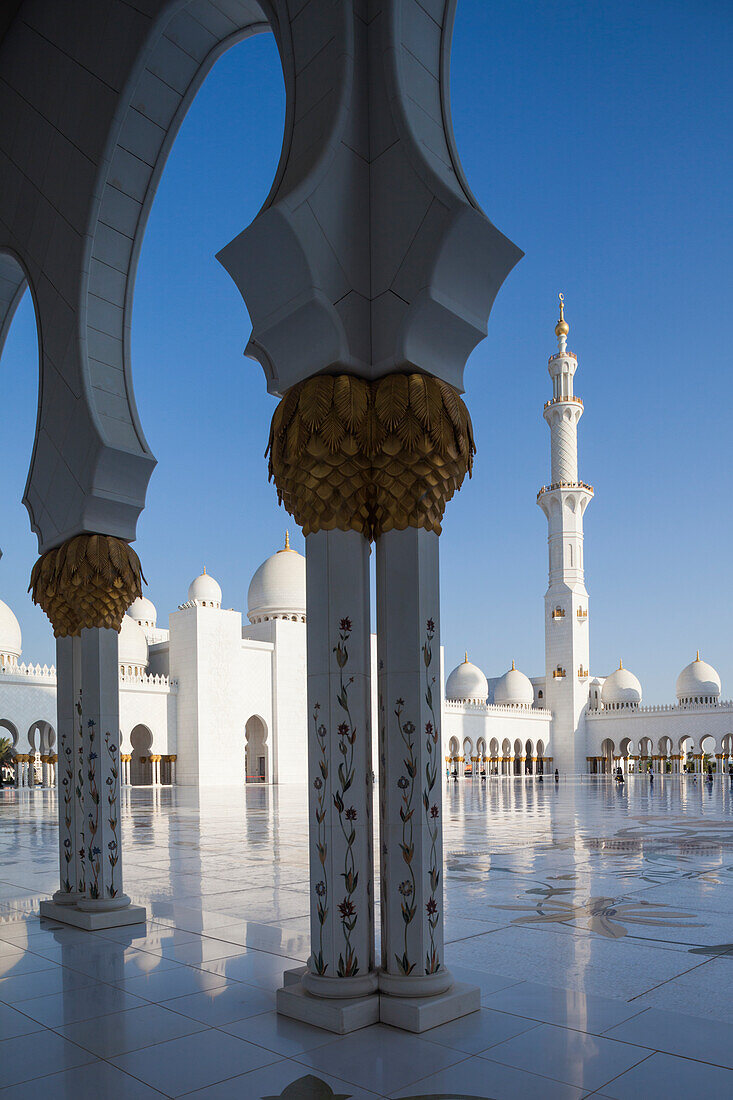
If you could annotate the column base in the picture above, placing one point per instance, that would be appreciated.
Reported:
(421, 1013)
(339, 1015)
(61, 897)
(414, 1014)
(110, 918)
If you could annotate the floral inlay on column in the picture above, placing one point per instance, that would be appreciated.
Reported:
(67, 783)
(432, 811)
(93, 816)
(348, 964)
(322, 886)
(80, 795)
(407, 845)
(112, 782)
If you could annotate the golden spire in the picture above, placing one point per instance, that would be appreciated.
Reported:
(513, 666)
(620, 664)
(465, 658)
(697, 658)
(562, 328)
(287, 545)
(204, 573)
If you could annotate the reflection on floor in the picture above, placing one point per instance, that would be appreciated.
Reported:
(596, 921)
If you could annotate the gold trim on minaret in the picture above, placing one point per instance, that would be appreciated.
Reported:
(562, 328)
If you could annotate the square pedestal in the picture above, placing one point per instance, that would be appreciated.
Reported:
(331, 1013)
(111, 918)
(422, 1013)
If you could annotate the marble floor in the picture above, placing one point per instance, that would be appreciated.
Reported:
(596, 921)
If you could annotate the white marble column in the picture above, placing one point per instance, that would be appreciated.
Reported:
(408, 641)
(70, 773)
(341, 964)
(173, 770)
(101, 724)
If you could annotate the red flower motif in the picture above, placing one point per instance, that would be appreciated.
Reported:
(431, 907)
(351, 814)
(428, 728)
(346, 908)
(343, 729)
(345, 625)
(434, 811)
(431, 626)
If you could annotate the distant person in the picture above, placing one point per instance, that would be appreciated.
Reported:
(539, 778)
(557, 776)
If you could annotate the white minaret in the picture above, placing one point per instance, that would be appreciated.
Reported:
(564, 501)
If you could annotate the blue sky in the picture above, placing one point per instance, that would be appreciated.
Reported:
(597, 137)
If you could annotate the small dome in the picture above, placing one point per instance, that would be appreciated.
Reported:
(10, 636)
(698, 682)
(467, 684)
(277, 589)
(142, 610)
(621, 689)
(204, 591)
(132, 646)
(514, 689)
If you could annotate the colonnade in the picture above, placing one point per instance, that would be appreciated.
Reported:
(24, 767)
(499, 765)
(156, 760)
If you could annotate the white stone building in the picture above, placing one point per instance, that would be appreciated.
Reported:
(218, 698)
(569, 719)
(213, 700)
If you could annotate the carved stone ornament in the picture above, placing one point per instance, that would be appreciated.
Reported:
(89, 581)
(351, 454)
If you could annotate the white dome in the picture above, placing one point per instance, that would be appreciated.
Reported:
(204, 591)
(142, 610)
(698, 682)
(277, 589)
(467, 683)
(10, 636)
(621, 689)
(514, 689)
(133, 646)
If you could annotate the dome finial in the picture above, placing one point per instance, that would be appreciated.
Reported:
(620, 664)
(513, 665)
(562, 328)
(287, 545)
(204, 572)
(697, 656)
(465, 657)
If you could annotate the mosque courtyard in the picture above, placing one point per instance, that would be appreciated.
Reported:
(594, 919)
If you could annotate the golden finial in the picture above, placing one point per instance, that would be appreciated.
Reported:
(697, 658)
(620, 664)
(465, 658)
(513, 666)
(204, 573)
(562, 328)
(287, 545)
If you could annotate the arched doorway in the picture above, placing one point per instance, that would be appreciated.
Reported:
(517, 757)
(255, 750)
(141, 768)
(528, 758)
(607, 749)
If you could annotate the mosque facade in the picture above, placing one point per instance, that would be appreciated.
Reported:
(218, 698)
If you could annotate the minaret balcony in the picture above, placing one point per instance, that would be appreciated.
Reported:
(582, 673)
(567, 354)
(558, 673)
(582, 613)
(572, 399)
(558, 614)
(565, 485)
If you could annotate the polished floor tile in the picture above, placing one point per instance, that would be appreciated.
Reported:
(285, 1078)
(224, 1004)
(677, 1033)
(94, 1081)
(380, 1059)
(479, 1031)
(79, 1004)
(672, 1078)
(121, 1032)
(589, 921)
(480, 1079)
(586, 1061)
(182, 1065)
(25, 1058)
(565, 1007)
(178, 981)
(287, 1037)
